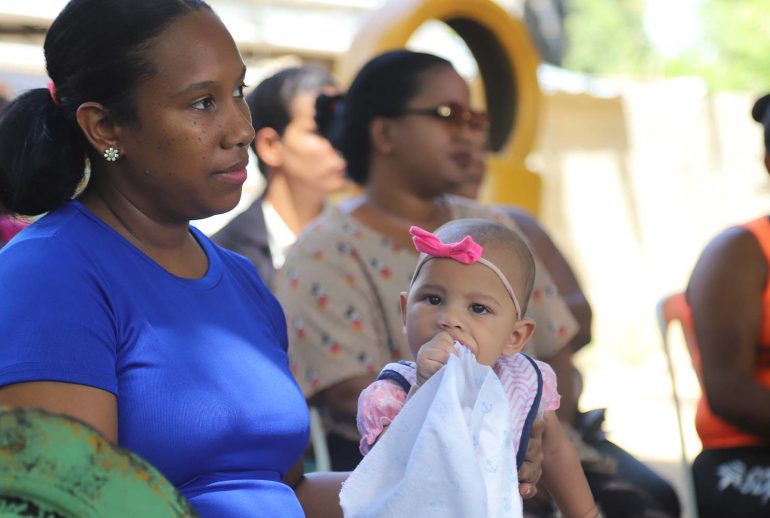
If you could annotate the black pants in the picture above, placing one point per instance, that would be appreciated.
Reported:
(635, 490)
(733, 482)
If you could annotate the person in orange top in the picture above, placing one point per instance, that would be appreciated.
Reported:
(729, 293)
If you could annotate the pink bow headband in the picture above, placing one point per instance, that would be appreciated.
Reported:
(466, 251)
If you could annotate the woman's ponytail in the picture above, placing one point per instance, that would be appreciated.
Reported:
(42, 154)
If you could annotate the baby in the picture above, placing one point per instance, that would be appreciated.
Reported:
(464, 290)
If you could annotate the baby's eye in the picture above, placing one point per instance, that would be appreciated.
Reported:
(433, 300)
(479, 309)
(204, 104)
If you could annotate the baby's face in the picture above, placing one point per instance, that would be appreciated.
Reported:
(467, 301)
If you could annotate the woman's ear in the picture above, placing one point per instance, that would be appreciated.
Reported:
(269, 148)
(380, 132)
(97, 125)
(522, 331)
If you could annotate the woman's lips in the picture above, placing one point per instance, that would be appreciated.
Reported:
(234, 177)
(235, 174)
(462, 159)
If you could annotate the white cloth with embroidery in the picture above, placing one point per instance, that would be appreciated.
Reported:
(448, 453)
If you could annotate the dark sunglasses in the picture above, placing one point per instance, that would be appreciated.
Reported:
(453, 114)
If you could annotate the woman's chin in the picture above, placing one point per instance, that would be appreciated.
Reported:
(222, 205)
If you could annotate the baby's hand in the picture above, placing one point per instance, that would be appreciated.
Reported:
(433, 355)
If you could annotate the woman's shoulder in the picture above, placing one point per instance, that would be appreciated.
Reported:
(339, 234)
(331, 224)
(734, 258)
(58, 239)
(238, 266)
(226, 255)
(326, 249)
(51, 259)
(735, 245)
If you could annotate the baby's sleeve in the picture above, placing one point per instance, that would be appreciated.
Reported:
(551, 399)
(378, 405)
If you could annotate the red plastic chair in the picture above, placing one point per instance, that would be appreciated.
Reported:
(669, 309)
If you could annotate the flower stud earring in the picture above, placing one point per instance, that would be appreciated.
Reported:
(111, 154)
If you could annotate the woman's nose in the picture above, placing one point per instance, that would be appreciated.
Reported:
(238, 131)
(465, 132)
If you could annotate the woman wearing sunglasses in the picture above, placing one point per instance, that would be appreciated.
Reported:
(406, 129)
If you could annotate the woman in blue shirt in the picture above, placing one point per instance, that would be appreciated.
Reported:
(113, 309)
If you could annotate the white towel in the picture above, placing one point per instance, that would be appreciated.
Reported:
(448, 453)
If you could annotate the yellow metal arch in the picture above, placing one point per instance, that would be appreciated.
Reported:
(508, 66)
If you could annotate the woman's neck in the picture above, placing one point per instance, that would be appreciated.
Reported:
(169, 244)
(392, 213)
(396, 197)
(414, 210)
(296, 205)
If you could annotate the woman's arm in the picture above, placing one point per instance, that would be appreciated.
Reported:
(94, 406)
(725, 294)
(561, 273)
(319, 492)
(563, 474)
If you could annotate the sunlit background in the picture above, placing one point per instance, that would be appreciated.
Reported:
(645, 147)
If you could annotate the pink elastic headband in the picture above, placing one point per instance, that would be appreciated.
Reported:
(466, 251)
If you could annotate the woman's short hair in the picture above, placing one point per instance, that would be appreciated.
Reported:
(95, 50)
(270, 102)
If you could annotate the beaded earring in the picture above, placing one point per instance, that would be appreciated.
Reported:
(111, 154)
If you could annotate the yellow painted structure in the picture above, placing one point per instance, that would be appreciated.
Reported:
(508, 66)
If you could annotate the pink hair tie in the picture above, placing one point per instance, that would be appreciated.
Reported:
(52, 91)
(466, 251)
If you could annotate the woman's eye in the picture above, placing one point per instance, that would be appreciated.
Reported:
(204, 104)
(433, 300)
(238, 92)
(479, 309)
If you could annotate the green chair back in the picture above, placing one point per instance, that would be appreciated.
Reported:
(55, 466)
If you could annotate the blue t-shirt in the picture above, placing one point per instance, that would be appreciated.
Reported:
(199, 367)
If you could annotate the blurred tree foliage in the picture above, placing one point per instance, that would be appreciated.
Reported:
(733, 51)
(608, 37)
